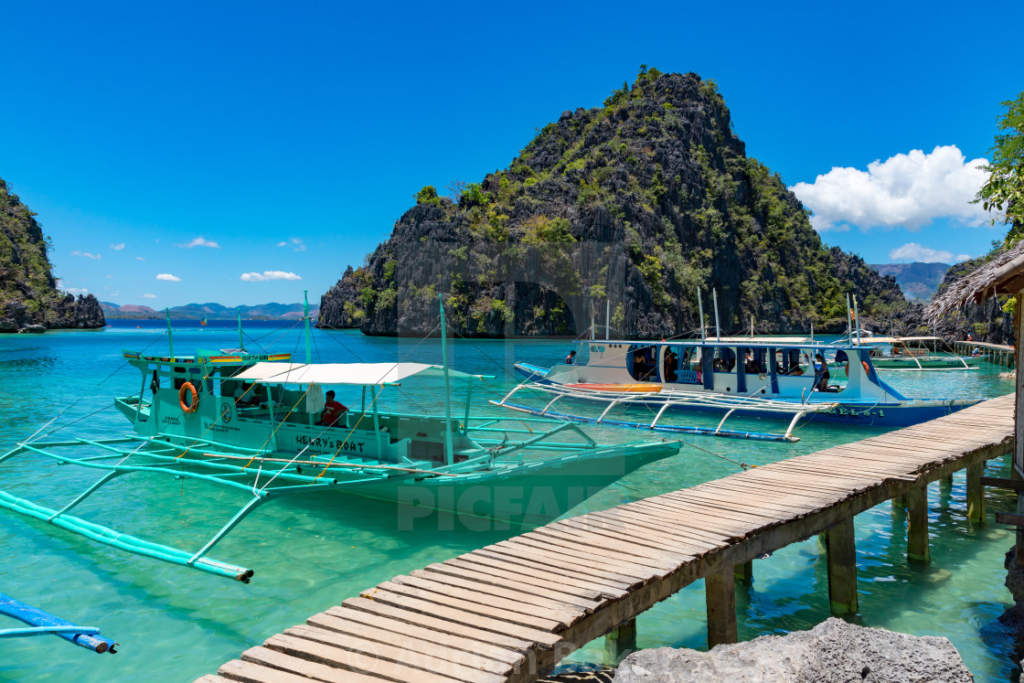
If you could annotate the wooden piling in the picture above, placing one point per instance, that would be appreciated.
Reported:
(621, 642)
(744, 573)
(917, 524)
(975, 493)
(842, 569)
(720, 589)
(899, 503)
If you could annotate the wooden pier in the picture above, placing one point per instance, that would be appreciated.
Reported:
(512, 610)
(1000, 354)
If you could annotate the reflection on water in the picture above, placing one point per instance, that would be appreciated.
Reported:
(313, 552)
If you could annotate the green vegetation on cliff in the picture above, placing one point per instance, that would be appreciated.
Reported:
(28, 292)
(634, 205)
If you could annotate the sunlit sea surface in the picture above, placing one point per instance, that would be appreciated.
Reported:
(175, 624)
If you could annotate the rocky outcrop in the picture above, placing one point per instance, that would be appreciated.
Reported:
(831, 652)
(29, 298)
(628, 208)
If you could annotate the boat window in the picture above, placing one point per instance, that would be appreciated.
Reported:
(641, 361)
(792, 363)
(726, 360)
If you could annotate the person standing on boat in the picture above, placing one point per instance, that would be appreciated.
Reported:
(332, 411)
(571, 358)
(823, 375)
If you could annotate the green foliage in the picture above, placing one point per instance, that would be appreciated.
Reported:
(1003, 192)
(389, 270)
(387, 298)
(369, 295)
(544, 230)
(503, 310)
(428, 195)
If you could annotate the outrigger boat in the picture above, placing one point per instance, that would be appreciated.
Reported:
(774, 378)
(921, 353)
(246, 422)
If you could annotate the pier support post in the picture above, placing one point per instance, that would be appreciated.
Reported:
(917, 524)
(842, 569)
(720, 589)
(744, 573)
(621, 642)
(975, 493)
(899, 503)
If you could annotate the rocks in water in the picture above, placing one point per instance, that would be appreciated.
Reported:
(638, 204)
(831, 652)
(1014, 575)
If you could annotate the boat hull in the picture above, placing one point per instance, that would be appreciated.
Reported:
(855, 413)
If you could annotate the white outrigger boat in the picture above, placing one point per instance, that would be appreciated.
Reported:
(776, 378)
(199, 424)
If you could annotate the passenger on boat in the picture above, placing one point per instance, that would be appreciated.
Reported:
(748, 362)
(246, 396)
(571, 358)
(976, 352)
(671, 365)
(332, 411)
(822, 374)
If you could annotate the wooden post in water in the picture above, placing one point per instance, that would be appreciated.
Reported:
(899, 503)
(621, 642)
(975, 493)
(720, 589)
(744, 573)
(1018, 419)
(917, 524)
(842, 568)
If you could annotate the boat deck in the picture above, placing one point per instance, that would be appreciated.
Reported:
(512, 610)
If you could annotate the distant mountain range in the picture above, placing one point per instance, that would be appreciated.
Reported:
(917, 280)
(271, 311)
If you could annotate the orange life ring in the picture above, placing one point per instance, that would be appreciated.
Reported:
(186, 408)
(867, 370)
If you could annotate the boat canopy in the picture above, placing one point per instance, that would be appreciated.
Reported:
(358, 374)
(741, 342)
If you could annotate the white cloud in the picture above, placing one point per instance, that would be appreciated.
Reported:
(149, 296)
(200, 242)
(86, 254)
(167, 277)
(269, 275)
(139, 258)
(912, 251)
(905, 190)
(76, 290)
(110, 277)
(117, 247)
(295, 242)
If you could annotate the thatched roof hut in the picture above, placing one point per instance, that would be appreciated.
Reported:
(1002, 275)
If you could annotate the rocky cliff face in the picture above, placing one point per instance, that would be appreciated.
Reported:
(29, 299)
(624, 210)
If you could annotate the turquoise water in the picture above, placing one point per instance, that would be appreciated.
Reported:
(176, 624)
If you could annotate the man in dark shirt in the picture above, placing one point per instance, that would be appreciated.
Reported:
(571, 358)
(332, 411)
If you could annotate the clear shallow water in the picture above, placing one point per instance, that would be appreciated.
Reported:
(176, 624)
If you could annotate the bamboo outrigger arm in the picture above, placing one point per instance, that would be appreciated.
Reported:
(283, 478)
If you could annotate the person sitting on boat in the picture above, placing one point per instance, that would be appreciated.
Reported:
(822, 374)
(976, 352)
(246, 396)
(332, 411)
(571, 358)
(748, 362)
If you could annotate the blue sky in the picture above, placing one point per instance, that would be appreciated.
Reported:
(254, 124)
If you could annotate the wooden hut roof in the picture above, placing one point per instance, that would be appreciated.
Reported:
(1002, 275)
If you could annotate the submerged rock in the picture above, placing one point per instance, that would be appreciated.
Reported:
(831, 652)
(1014, 575)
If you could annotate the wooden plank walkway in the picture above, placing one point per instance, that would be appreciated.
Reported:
(512, 610)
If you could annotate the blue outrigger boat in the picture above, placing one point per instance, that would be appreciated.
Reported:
(42, 623)
(248, 422)
(741, 377)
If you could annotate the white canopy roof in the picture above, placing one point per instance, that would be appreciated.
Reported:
(359, 374)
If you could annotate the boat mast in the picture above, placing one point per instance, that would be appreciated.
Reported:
(849, 321)
(449, 457)
(718, 329)
(700, 309)
(170, 334)
(856, 316)
(241, 342)
(305, 318)
(607, 319)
